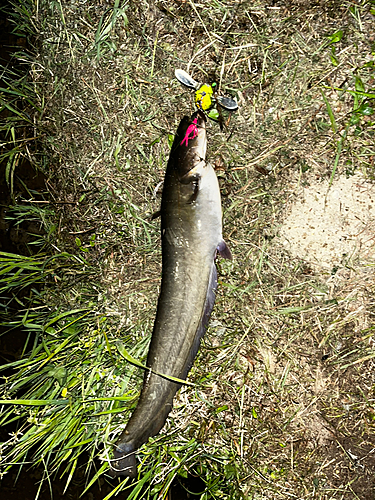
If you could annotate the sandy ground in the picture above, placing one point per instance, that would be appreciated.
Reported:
(332, 227)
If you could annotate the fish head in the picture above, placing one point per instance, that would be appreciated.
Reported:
(190, 144)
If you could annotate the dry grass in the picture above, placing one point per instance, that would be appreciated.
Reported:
(284, 398)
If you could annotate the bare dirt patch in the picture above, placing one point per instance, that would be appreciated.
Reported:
(332, 226)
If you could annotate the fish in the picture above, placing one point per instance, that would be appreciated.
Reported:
(191, 236)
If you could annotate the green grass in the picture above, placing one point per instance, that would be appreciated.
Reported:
(283, 385)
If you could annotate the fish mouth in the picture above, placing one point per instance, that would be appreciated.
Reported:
(202, 120)
(190, 143)
(194, 138)
(199, 118)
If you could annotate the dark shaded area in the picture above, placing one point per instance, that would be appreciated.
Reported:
(16, 237)
(27, 484)
(185, 488)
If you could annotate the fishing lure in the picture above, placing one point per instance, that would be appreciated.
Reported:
(191, 132)
(204, 94)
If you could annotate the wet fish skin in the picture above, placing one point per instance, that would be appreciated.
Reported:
(191, 227)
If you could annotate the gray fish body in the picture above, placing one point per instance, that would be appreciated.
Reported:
(191, 226)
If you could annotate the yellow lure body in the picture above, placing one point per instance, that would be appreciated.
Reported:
(203, 97)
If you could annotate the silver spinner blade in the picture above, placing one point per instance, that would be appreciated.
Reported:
(227, 103)
(186, 79)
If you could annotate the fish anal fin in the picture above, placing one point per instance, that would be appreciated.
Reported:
(207, 310)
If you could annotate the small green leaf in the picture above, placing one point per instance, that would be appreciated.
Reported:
(214, 114)
(334, 59)
(329, 111)
(155, 141)
(365, 110)
(336, 37)
(354, 119)
(221, 408)
(78, 242)
(359, 84)
(59, 373)
(183, 472)
(230, 471)
(156, 488)
(170, 140)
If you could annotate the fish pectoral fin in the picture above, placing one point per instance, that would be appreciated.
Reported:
(224, 251)
(192, 178)
(202, 327)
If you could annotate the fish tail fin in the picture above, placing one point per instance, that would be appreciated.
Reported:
(124, 463)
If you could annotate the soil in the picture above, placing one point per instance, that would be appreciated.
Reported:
(332, 226)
